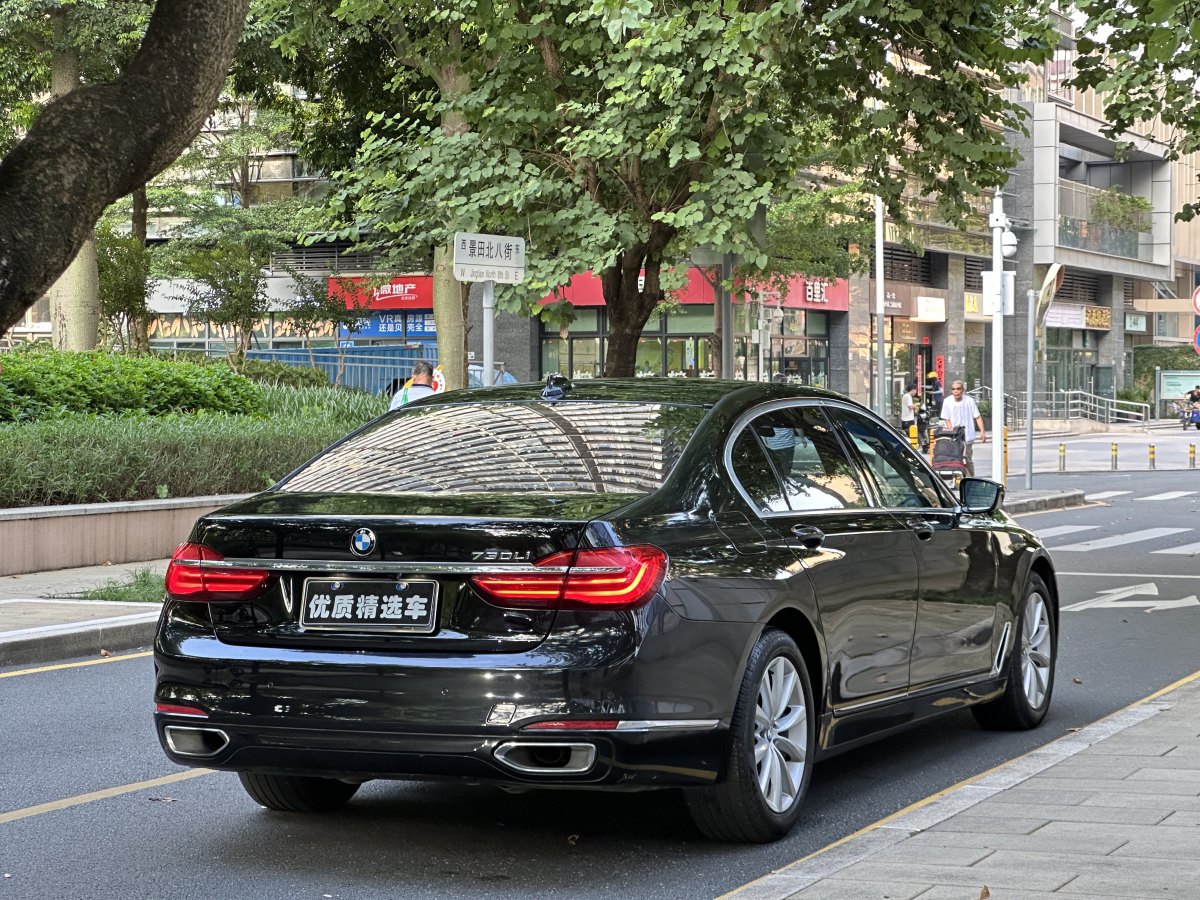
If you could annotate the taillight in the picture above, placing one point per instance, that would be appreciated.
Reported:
(607, 578)
(187, 579)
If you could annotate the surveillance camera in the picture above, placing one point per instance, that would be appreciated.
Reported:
(1008, 244)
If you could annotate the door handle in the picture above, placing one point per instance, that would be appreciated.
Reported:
(810, 536)
(920, 527)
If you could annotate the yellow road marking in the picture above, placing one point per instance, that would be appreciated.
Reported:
(105, 794)
(76, 665)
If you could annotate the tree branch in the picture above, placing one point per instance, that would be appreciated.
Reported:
(99, 143)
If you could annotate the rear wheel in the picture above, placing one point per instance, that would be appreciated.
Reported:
(773, 738)
(297, 793)
(1026, 699)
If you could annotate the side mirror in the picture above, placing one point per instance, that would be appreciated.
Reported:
(980, 495)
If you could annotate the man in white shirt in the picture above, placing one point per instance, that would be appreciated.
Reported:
(908, 412)
(421, 385)
(959, 409)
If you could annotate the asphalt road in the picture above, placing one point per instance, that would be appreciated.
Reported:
(67, 732)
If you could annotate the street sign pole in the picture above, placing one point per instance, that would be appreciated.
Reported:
(489, 333)
(489, 258)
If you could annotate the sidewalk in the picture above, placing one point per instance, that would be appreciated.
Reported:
(1112, 810)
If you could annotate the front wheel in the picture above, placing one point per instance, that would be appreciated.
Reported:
(1026, 699)
(773, 740)
(297, 793)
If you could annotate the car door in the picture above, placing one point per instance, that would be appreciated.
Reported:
(859, 559)
(956, 555)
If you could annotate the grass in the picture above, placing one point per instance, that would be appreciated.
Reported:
(140, 586)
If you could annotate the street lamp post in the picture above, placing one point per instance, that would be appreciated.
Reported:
(1004, 243)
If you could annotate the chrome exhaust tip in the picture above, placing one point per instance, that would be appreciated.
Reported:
(187, 740)
(546, 758)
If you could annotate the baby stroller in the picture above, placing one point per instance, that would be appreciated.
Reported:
(950, 454)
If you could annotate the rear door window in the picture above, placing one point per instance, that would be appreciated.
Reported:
(897, 473)
(789, 459)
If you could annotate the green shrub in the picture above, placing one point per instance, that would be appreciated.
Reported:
(274, 372)
(75, 458)
(47, 383)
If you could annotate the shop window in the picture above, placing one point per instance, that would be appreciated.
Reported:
(586, 361)
(649, 356)
(554, 355)
(690, 320)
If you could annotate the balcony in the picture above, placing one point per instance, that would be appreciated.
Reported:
(1104, 221)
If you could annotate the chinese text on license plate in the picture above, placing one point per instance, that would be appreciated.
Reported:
(361, 605)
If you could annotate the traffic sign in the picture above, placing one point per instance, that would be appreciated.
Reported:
(1196, 340)
(489, 257)
(1196, 299)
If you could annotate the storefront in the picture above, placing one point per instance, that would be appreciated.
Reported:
(975, 331)
(913, 316)
(772, 334)
(1073, 335)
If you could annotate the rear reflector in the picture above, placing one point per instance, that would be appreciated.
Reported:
(178, 709)
(574, 725)
(606, 578)
(188, 579)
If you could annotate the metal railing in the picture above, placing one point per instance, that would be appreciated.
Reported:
(1065, 406)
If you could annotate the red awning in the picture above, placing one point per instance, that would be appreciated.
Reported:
(586, 290)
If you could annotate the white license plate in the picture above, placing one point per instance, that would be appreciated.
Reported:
(354, 604)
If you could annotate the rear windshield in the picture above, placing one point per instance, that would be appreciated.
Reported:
(564, 447)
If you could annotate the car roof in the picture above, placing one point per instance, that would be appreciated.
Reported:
(693, 391)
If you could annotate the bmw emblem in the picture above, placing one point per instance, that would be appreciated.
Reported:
(363, 542)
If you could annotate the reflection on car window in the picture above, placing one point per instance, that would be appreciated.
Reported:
(564, 447)
(897, 472)
(751, 468)
(805, 457)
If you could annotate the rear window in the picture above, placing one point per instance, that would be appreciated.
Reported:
(563, 447)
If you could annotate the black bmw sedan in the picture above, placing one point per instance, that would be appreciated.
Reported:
(615, 585)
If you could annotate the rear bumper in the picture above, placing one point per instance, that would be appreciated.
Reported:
(578, 759)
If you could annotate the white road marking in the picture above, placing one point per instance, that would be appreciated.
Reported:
(1120, 540)
(1184, 550)
(1104, 495)
(1060, 530)
(1169, 495)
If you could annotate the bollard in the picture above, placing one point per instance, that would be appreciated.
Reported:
(1191, 456)
(912, 434)
(1062, 457)
(1114, 456)
(1004, 457)
(1152, 456)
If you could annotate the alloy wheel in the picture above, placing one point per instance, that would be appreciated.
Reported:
(780, 735)
(1036, 650)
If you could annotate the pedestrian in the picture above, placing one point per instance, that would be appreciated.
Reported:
(960, 409)
(908, 412)
(420, 385)
(1193, 396)
(933, 388)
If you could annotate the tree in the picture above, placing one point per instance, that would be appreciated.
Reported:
(618, 136)
(124, 279)
(1143, 57)
(433, 48)
(313, 306)
(98, 143)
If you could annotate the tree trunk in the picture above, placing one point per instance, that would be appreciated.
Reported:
(139, 321)
(75, 295)
(628, 308)
(448, 316)
(98, 143)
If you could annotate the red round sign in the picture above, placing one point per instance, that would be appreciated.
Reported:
(1196, 299)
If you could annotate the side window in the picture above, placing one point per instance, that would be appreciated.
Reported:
(897, 472)
(756, 474)
(801, 451)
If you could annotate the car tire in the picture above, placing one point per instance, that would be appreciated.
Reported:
(1026, 698)
(297, 793)
(771, 752)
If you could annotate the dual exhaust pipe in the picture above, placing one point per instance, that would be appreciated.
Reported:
(526, 757)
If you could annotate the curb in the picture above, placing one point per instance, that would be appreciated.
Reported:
(1060, 500)
(57, 642)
